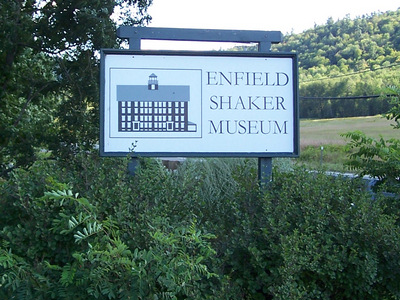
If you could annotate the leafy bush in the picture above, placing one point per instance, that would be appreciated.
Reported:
(61, 245)
(329, 240)
(204, 231)
(379, 158)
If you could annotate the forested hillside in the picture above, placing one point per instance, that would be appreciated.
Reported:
(344, 59)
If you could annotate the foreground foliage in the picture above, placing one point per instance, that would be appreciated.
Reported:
(205, 231)
(379, 158)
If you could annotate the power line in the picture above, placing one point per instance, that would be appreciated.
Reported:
(345, 98)
(351, 74)
(339, 98)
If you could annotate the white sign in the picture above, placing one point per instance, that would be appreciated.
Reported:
(204, 104)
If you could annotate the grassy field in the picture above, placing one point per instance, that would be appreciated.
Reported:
(326, 133)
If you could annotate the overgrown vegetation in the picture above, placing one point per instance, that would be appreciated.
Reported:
(205, 231)
(76, 226)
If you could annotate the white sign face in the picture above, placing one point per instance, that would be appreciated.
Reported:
(181, 104)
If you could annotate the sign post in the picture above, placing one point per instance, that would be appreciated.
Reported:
(200, 104)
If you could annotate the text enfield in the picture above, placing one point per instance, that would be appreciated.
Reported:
(247, 78)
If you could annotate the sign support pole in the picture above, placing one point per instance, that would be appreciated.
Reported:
(263, 38)
(264, 163)
(264, 170)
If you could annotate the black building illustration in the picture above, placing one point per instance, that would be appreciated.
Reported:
(154, 107)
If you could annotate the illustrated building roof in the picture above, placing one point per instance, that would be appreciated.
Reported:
(165, 93)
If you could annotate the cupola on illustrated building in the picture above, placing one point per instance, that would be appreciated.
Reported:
(154, 107)
(153, 82)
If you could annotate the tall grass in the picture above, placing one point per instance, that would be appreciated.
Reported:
(328, 157)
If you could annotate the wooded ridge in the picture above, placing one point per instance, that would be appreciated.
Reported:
(346, 58)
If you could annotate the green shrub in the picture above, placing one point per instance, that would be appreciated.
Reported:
(203, 231)
(115, 243)
(329, 240)
(379, 158)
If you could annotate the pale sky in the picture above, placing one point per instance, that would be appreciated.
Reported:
(285, 16)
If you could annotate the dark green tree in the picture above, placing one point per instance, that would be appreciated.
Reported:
(49, 70)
